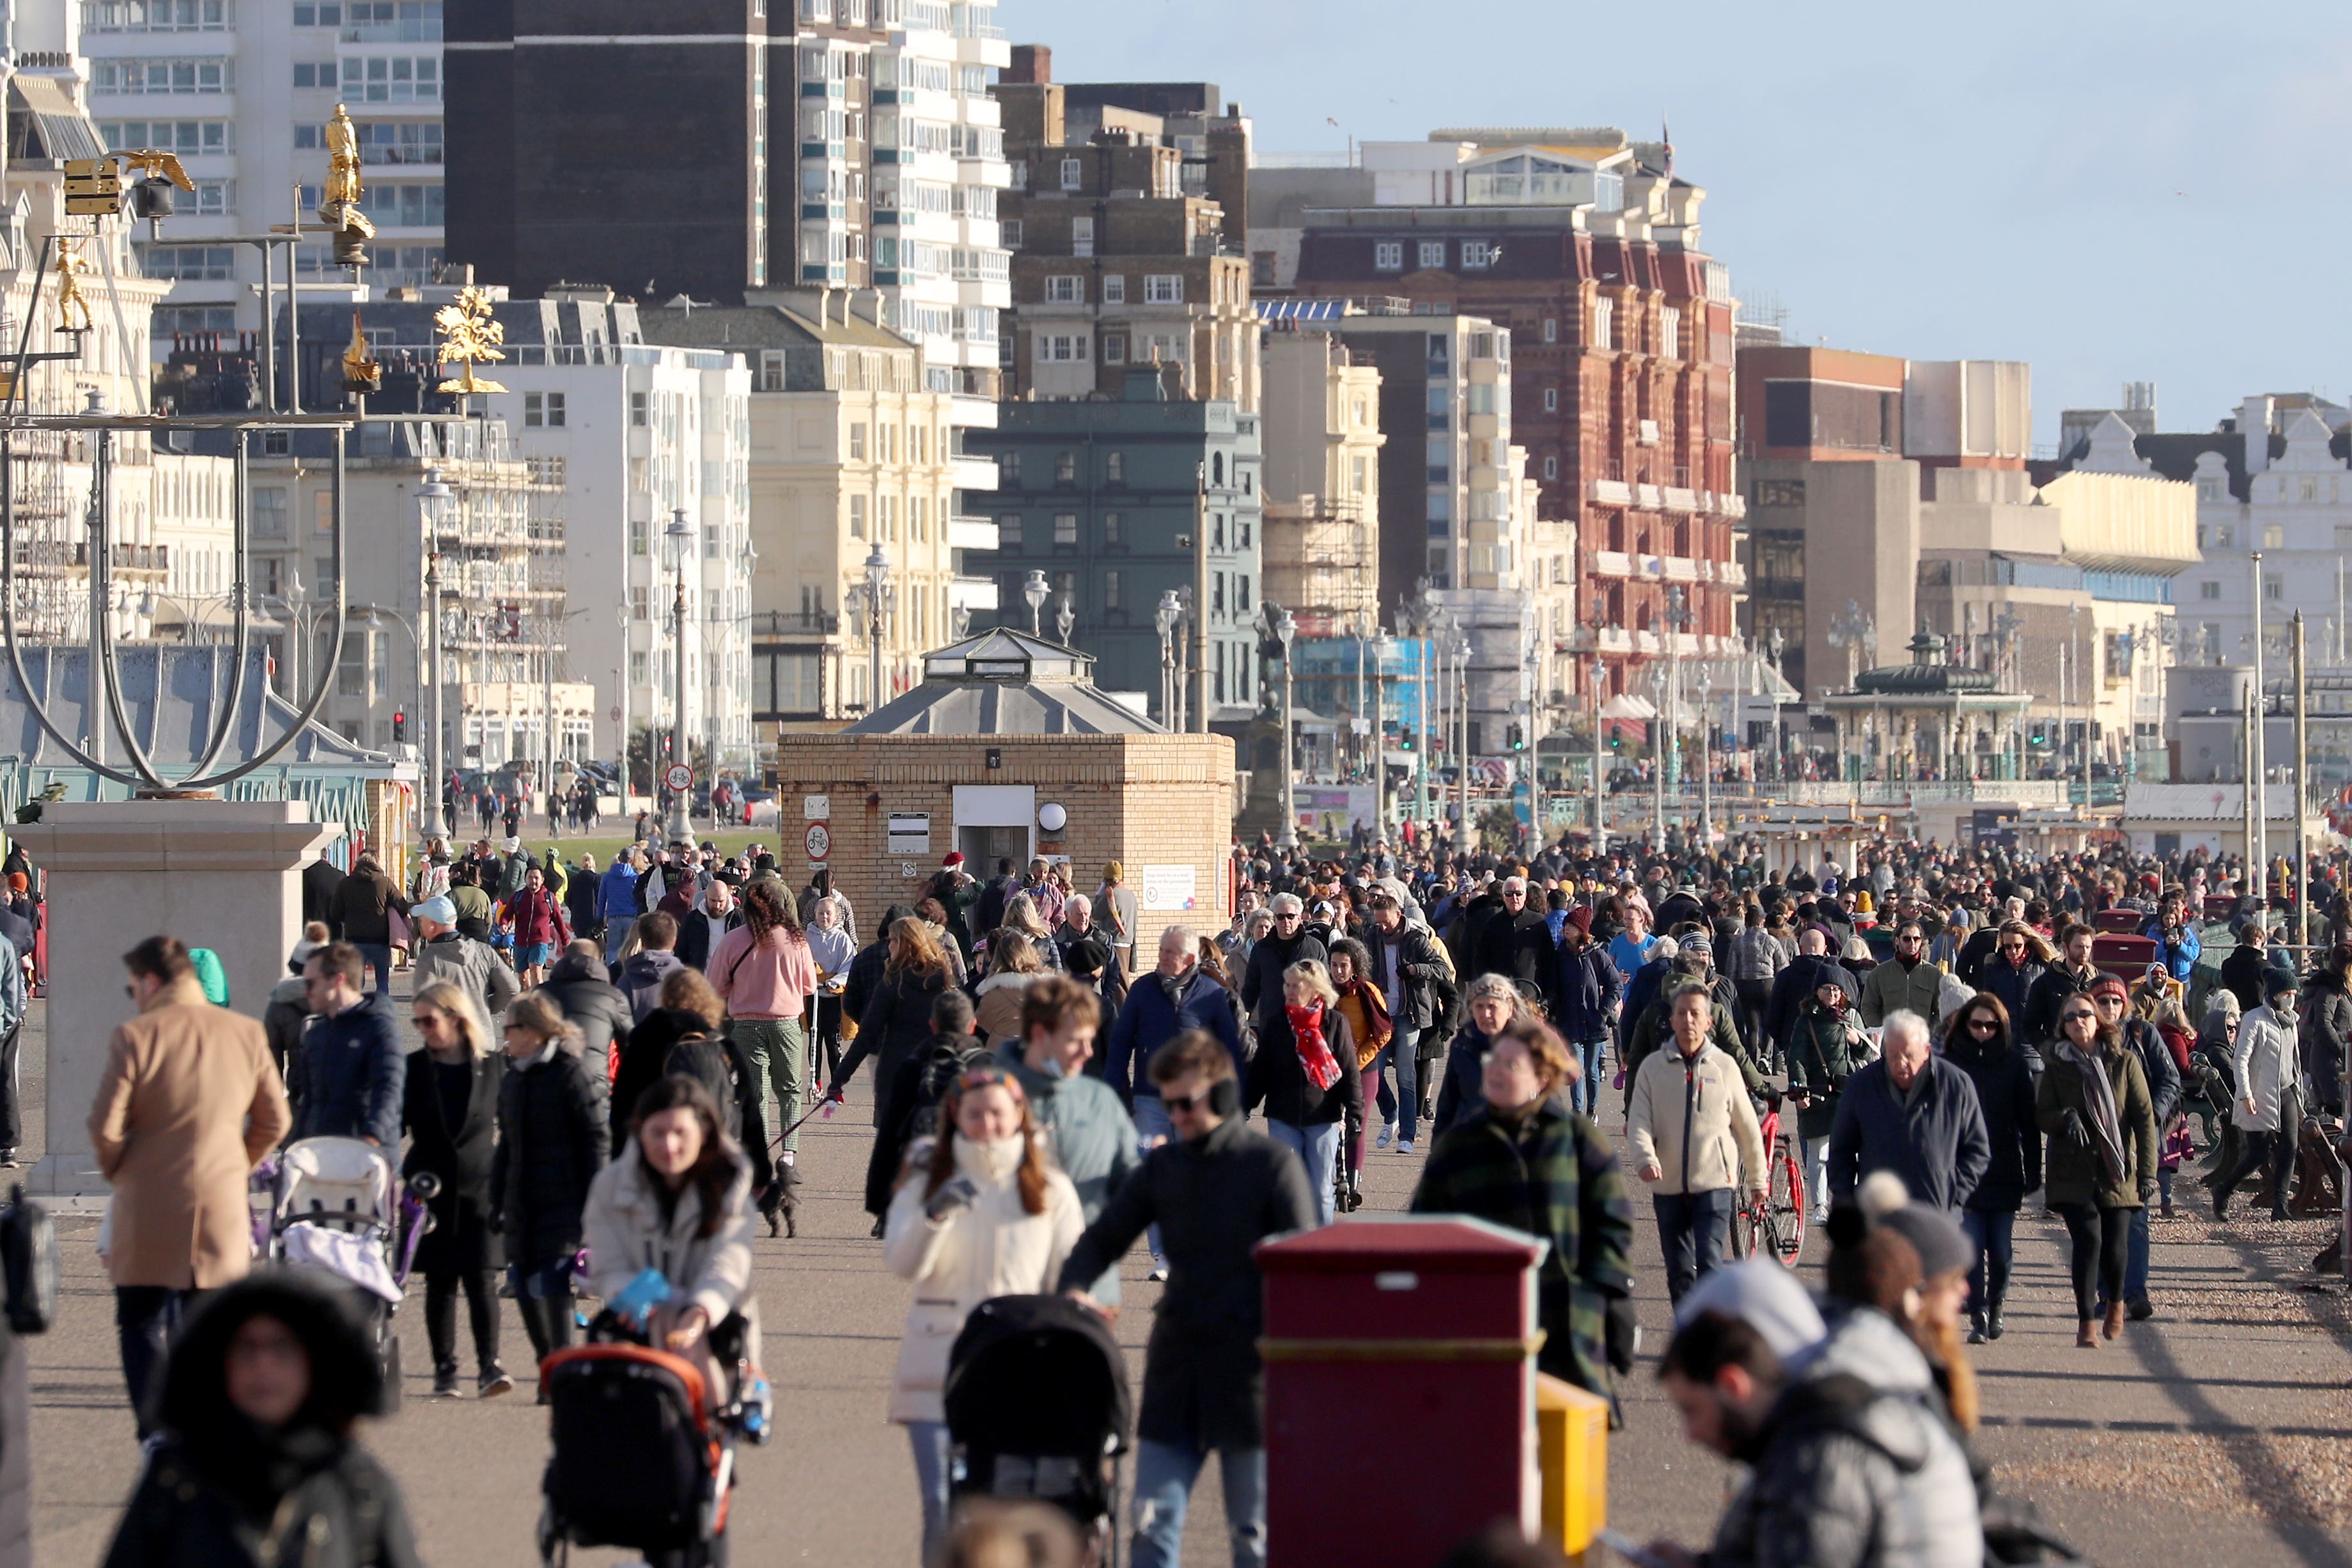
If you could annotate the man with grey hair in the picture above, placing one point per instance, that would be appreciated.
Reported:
(1288, 943)
(1516, 940)
(1915, 1114)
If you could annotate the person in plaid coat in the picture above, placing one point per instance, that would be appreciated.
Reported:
(1525, 1161)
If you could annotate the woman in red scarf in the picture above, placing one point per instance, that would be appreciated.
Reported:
(1297, 1077)
(1367, 1012)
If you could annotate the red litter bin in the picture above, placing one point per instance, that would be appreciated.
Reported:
(1421, 1324)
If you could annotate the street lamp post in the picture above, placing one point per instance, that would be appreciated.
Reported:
(1462, 720)
(1286, 629)
(430, 497)
(1600, 757)
(621, 615)
(1705, 760)
(1036, 591)
(1170, 611)
(879, 597)
(680, 829)
(1676, 615)
(1657, 752)
(1778, 643)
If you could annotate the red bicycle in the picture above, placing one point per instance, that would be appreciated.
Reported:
(1774, 1224)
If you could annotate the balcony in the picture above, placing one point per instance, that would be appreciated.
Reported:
(1732, 505)
(1649, 498)
(1678, 568)
(1611, 493)
(968, 413)
(795, 624)
(971, 533)
(966, 472)
(971, 593)
(1616, 640)
(1612, 563)
(1680, 500)
(1731, 574)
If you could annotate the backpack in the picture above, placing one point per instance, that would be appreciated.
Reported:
(29, 1263)
(940, 1070)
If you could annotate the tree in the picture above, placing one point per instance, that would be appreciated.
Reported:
(649, 754)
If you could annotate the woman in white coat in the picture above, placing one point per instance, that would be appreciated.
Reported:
(679, 1198)
(979, 1212)
(2269, 1106)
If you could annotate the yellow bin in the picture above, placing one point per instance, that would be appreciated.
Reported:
(1572, 1451)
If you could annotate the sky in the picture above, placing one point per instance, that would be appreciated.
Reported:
(2115, 192)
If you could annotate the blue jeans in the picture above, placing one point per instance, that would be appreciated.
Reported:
(1151, 1122)
(2136, 1260)
(1693, 1228)
(930, 1441)
(146, 1317)
(1164, 1475)
(1317, 1148)
(1584, 1095)
(1403, 1106)
(378, 956)
(616, 932)
(1989, 1275)
(1814, 1155)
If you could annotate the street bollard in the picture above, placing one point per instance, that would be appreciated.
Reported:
(1573, 1451)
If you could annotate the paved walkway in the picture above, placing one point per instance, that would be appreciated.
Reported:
(2214, 1435)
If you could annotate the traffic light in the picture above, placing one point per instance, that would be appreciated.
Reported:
(1519, 737)
(400, 724)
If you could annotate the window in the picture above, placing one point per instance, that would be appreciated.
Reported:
(1164, 288)
(194, 263)
(1433, 253)
(1082, 236)
(1476, 255)
(1551, 399)
(542, 410)
(170, 77)
(2225, 536)
(1552, 468)
(1066, 530)
(1670, 332)
(1066, 468)
(1073, 174)
(1114, 348)
(1061, 348)
(1114, 467)
(188, 138)
(2209, 591)
(399, 78)
(1112, 526)
(857, 517)
(321, 74)
(187, 17)
(2274, 536)
(1552, 329)
(2309, 490)
(1110, 589)
(322, 521)
(1605, 316)
(1114, 289)
(269, 514)
(637, 409)
(1388, 256)
(1066, 290)
(1008, 531)
(857, 443)
(2272, 586)
(1008, 468)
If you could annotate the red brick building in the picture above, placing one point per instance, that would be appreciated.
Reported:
(1586, 247)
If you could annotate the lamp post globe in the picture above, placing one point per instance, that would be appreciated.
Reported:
(680, 536)
(1036, 591)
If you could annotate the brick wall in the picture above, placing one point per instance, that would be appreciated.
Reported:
(1141, 800)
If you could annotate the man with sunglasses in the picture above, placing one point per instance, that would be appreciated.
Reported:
(1215, 1189)
(2113, 999)
(1288, 943)
(1904, 983)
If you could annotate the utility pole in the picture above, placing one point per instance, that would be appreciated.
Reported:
(1200, 678)
(1600, 758)
(1706, 762)
(2302, 793)
(2246, 753)
(1462, 769)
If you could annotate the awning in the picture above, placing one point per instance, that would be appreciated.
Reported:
(1625, 705)
(63, 129)
(1301, 309)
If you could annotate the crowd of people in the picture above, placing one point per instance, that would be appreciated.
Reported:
(616, 1065)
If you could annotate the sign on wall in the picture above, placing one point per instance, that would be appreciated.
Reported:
(1167, 887)
(819, 840)
(910, 834)
(816, 808)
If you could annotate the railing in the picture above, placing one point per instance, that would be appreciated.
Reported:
(795, 623)
(417, 30)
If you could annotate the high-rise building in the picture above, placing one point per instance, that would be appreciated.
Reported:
(1321, 547)
(1126, 227)
(243, 93)
(1584, 246)
(849, 144)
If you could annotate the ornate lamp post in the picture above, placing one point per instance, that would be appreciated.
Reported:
(1777, 643)
(1036, 591)
(1286, 629)
(877, 599)
(1065, 620)
(1171, 612)
(1658, 752)
(1600, 757)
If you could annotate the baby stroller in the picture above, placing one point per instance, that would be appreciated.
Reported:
(1037, 1406)
(644, 1448)
(337, 1205)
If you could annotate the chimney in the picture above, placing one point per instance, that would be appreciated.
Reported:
(1033, 64)
(2255, 425)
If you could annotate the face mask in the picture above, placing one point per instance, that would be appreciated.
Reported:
(1054, 1067)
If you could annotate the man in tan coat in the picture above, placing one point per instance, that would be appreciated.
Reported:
(188, 1104)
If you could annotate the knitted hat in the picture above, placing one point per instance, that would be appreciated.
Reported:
(1696, 943)
(2106, 984)
(954, 858)
(1943, 1246)
(1114, 872)
(1765, 1296)
(439, 910)
(1581, 917)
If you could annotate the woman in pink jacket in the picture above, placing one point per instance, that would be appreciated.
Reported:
(763, 971)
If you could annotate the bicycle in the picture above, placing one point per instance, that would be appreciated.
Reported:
(1774, 1224)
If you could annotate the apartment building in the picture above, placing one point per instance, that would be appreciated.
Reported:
(843, 143)
(242, 91)
(1123, 258)
(1582, 244)
(852, 461)
(1323, 440)
(1116, 504)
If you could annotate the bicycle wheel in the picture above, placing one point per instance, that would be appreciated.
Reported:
(1787, 1203)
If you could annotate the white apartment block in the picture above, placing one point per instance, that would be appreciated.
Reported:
(242, 91)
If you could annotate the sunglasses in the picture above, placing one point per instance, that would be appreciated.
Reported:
(1980, 1024)
(2077, 1013)
(1187, 1103)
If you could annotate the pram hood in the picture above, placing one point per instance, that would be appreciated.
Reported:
(335, 1181)
(1037, 1374)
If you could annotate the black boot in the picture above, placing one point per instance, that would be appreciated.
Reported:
(1992, 1321)
(1976, 1327)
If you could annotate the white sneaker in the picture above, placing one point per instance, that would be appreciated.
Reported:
(1404, 1145)
(1382, 1141)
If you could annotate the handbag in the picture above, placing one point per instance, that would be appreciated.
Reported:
(402, 932)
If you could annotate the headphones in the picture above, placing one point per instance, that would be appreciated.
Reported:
(1225, 1097)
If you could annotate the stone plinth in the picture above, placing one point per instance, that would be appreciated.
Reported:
(223, 874)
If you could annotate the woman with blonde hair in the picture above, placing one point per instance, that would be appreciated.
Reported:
(1493, 1004)
(898, 1018)
(979, 1211)
(1021, 918)
(1013, 963)
(449, 1109)
(1305, 1076)
(552, 1138)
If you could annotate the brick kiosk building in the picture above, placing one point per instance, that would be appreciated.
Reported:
(1007, 749)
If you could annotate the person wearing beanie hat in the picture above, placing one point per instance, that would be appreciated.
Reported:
(1586, 988)
(2267, 1062)
(1932, 1309)
(445, 953)
(1764, 1295)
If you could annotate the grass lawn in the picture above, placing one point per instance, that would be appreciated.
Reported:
(606, 844)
